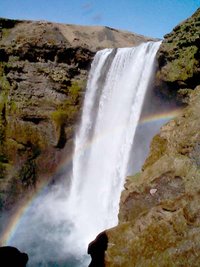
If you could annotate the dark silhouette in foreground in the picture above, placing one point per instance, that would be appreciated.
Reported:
(12, 257)
(97, 250)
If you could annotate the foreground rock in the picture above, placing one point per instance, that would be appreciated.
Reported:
(12, 257)
(97, 250)
(43, 73)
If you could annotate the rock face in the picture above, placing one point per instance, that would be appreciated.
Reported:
(179, 57)
(159, 218)
(43, 73)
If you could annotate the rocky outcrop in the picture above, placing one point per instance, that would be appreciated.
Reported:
(12, 257)
(179, 58)
(159, 218)
(97, 250)
(43, 73)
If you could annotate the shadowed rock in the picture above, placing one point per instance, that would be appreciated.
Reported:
(97, 250)
(12, 257)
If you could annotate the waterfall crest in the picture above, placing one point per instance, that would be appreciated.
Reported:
(115, 92)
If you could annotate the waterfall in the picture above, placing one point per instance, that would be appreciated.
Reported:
(59, 224)
(115, 92)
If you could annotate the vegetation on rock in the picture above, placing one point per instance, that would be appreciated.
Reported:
(179, 57)
(159, 211)
(40, 100)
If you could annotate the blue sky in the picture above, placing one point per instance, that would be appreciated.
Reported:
(148, 17)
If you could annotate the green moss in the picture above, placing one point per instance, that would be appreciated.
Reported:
(23, 140)
(183, 67)
(74, 91)
(133, 178)
(13, 107)
(5, 166)
(157, 149)
(3, 100)
(2, 134)
(5, 85)
(4, 88)
(64, 114)
(5, 32)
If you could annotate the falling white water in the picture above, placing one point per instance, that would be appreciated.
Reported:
(57, 227)
(115, 92)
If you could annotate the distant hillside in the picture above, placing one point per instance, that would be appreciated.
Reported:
(91, 37)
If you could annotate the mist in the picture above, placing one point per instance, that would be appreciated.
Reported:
(44, 231)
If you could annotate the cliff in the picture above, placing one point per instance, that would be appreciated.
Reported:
(159, 218)
(178, 59)
(43, 73)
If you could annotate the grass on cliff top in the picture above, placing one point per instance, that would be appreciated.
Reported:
(183, 67)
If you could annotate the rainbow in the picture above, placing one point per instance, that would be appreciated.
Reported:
(15, 220)
(166, 115)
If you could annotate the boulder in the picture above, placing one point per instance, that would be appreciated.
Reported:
(12, 257)
(97, 250)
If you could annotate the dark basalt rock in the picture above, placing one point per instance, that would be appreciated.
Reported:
(97, 250)
(12, 257)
